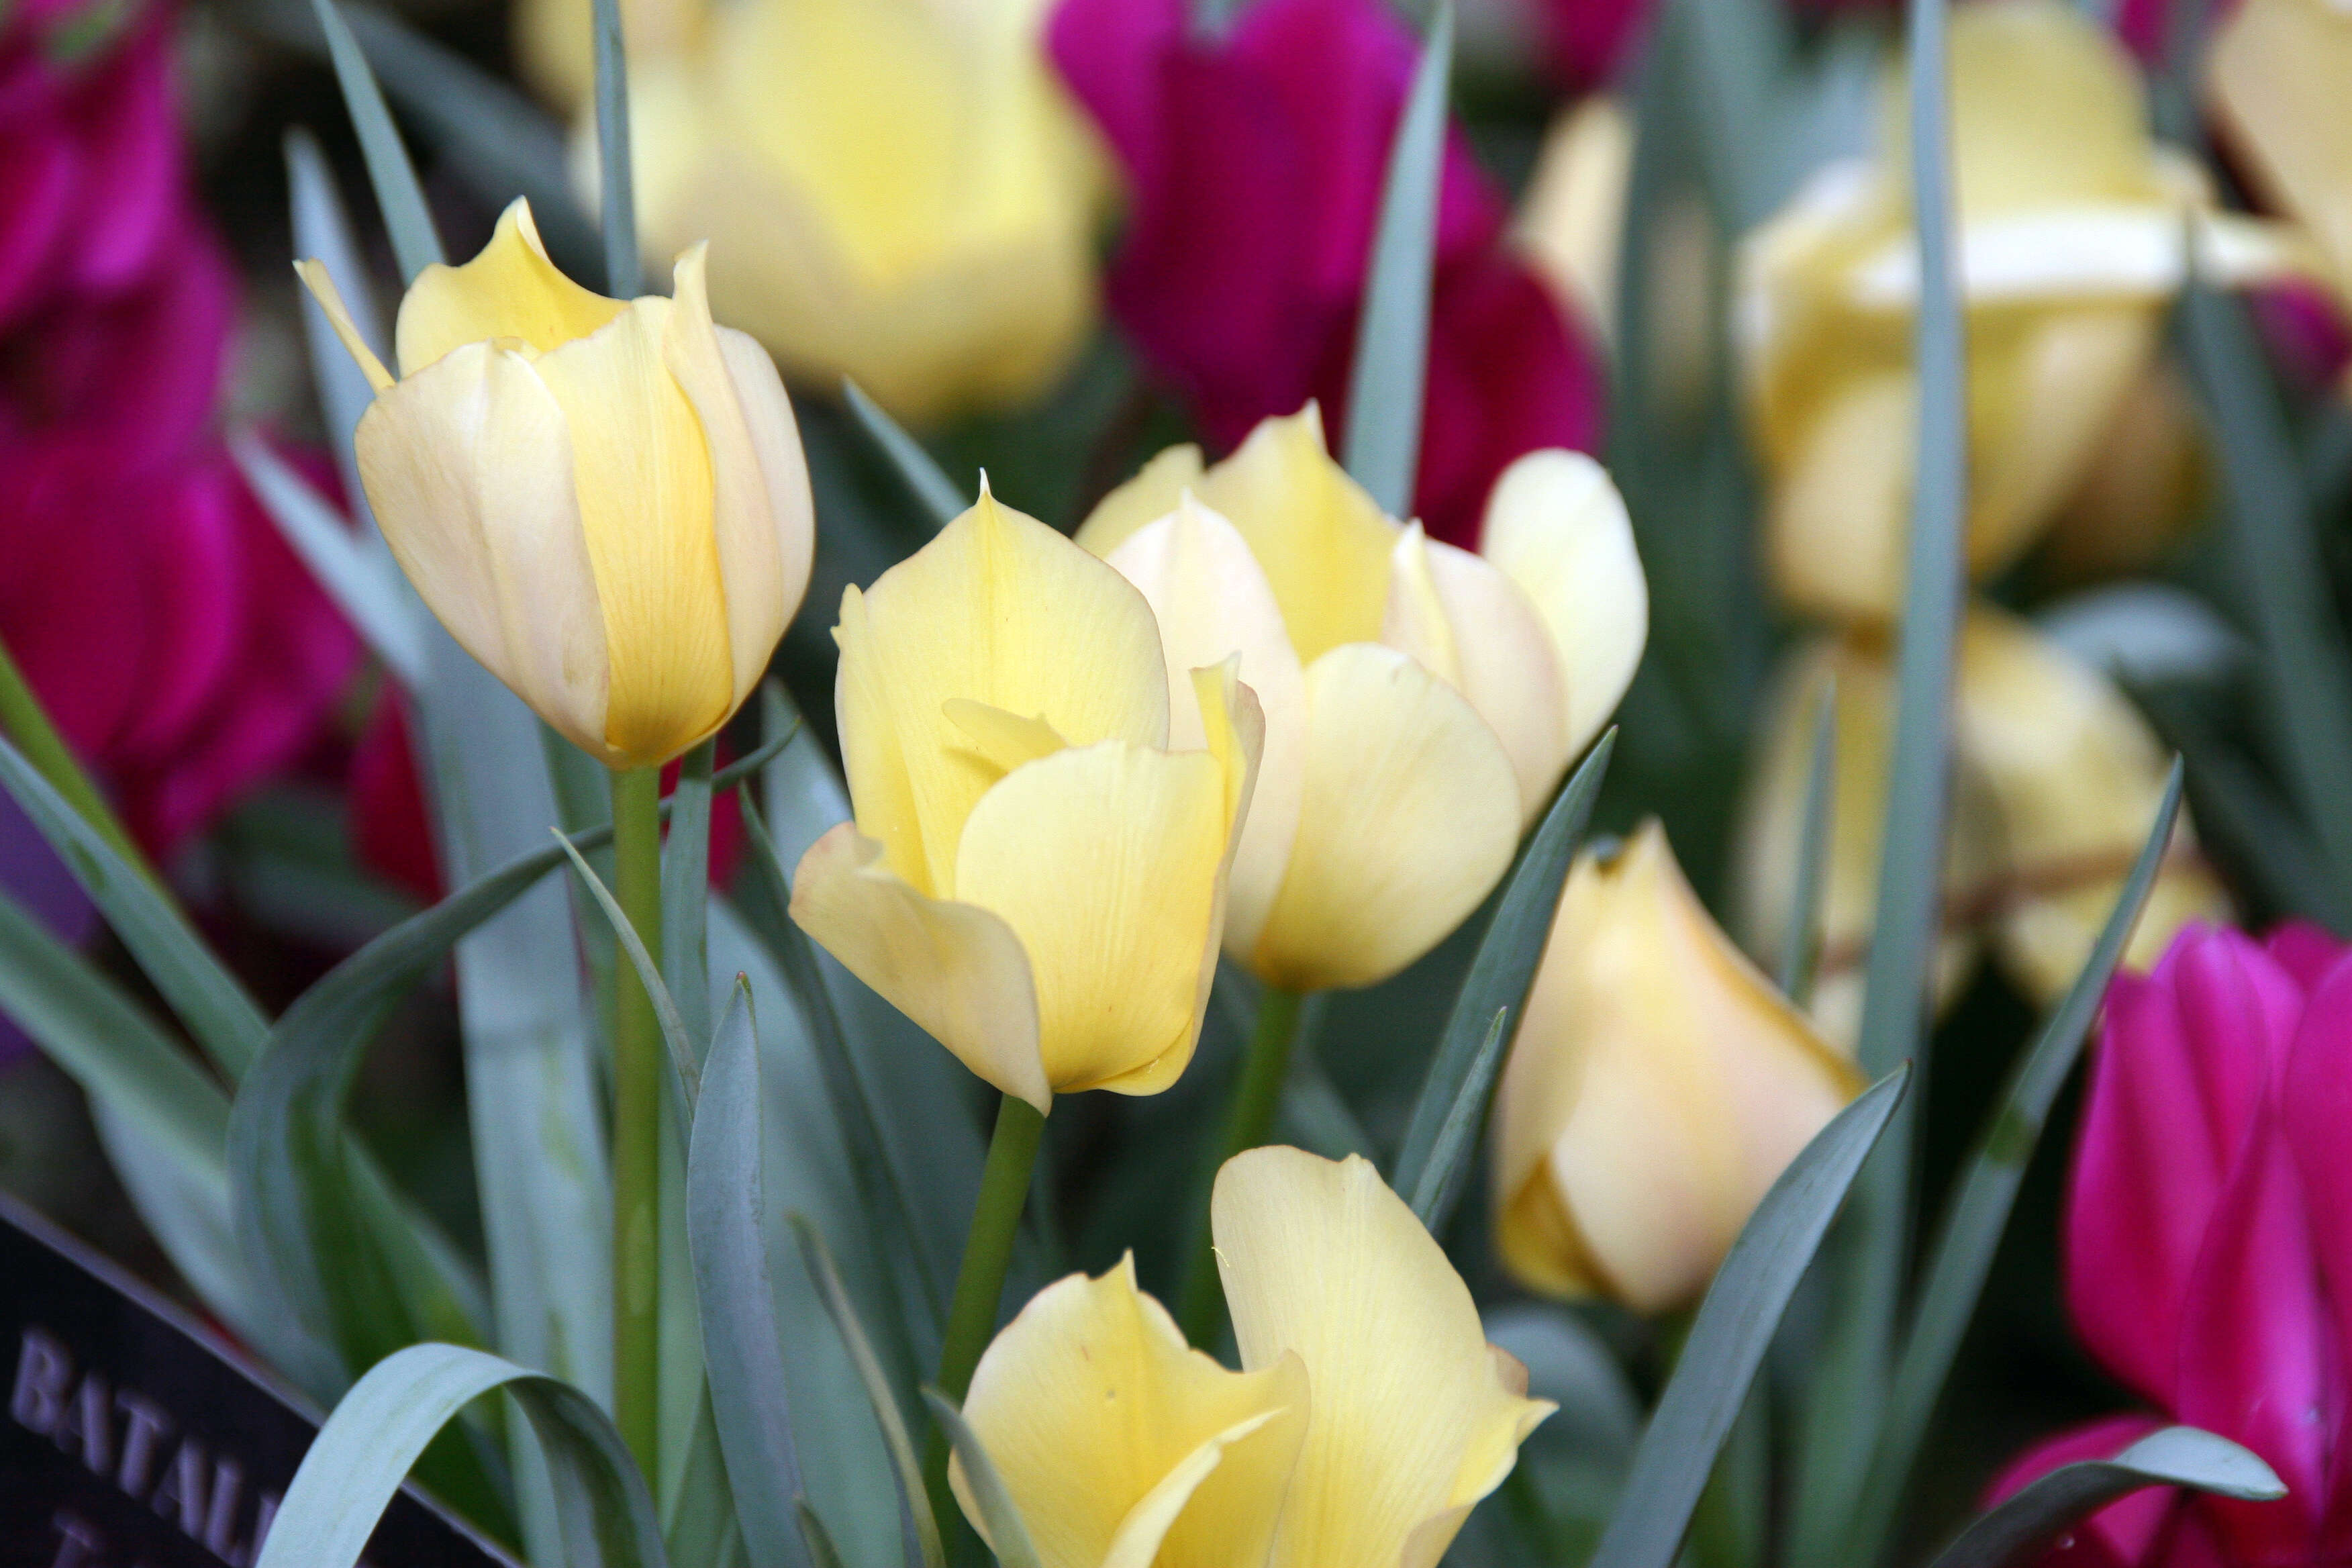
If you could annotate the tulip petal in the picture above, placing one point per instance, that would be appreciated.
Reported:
(510, 291)
(1211, 601)
(468, 465)
(646, 490)
(958, 971)
(1322, 542)
(1557, 527)
(1185, 1462)
(1106, 861)
(315, 277)
(762, 514)
(1144, 499)
(2277, 70)
(1412, 1419)
(1001, 610)
(1467, 623)
(1409, 815)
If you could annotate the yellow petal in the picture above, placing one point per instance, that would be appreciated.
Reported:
(1572, 219)
(1107, 862)
(1408, 816)
(957, 971)
(1121, 1447)
(510, 291)
(1322, 542)
(339, 316)
(999, 609)
(647, 487)
(1151, 495)
(763, 516)
(1211, 601)
(1468, 624)
(2277, 72)
(468, 466)
(1658, 1086)
(1412, 1419)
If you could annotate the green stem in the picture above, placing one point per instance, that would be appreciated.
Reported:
(30, 731)
(637, 1124)
(979, 1283)
(1249, 1120)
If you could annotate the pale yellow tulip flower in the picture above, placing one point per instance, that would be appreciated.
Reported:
(1034, 875)
(1370, 1415)
(2072, 238)
(605, 501)
(1657, 1087)
(894, 190)
(1422, 702)
(2056, 782)
(1573, 219)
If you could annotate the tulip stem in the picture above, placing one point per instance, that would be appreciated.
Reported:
(979, 1283)
(1249, 1122)
(636, 1124)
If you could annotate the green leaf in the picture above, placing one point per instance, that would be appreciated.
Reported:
(683, 1059)
(2305, 673)
(381, 1427)
(917, 469)
(822, 1552)
(1733, 1329)
(1801, 944)
(1504, 966)
(742, 1336)
(322, 231)
(837, 1305)
(1391, 358)
(1978, 1212)
(2015, 1531)
(415, 241)
(366, 586)
(1008, 1534)
(211, 1001)
(1440, 1178)
(623, 264)
(686, 892)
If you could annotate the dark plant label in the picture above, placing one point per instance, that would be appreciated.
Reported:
(132, 1440)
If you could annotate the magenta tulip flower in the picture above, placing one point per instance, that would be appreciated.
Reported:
(2209, 1243)
(1253, 165)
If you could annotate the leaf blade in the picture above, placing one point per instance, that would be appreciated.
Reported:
(415, 241)
(916, 469)
(1008, 1533)
(2174, 1456)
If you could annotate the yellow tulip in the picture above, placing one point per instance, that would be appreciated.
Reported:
(2057, 781)
(2071, 241)
(1657, 1087)
(1034, 875)
(1422, 702)
(1371, 1413)
(894, 190)
(1571, 221)
(605, 501)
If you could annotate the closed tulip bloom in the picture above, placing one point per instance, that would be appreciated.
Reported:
(1037, 874)
(1369, 1415)
(894, 190)
(2071, 225)
(1657, 1087)
(604, 500)
(1422, 702)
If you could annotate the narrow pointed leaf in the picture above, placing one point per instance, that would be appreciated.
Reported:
(917, 469)
(381, 1427)
(415, 241)
(686, 892)
(1978, 1212)
(837, 1305)
(365, 585)
(1504, 966)
(323, 232)
(1008, 1534)
(623, 267)
(1439, 1182)
(822, 1552)
(1801, 945)
(2015, 1532)
(1733, 1329)
(1391, 361)
(742, 1337)
(633, 946)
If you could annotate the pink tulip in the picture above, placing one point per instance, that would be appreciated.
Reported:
(1254, 163)
(2208, 1241)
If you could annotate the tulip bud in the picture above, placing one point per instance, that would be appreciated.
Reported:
(899, 192)
(1422, 702)
(605, 501)
(1656, 1088)
(1034, 876)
